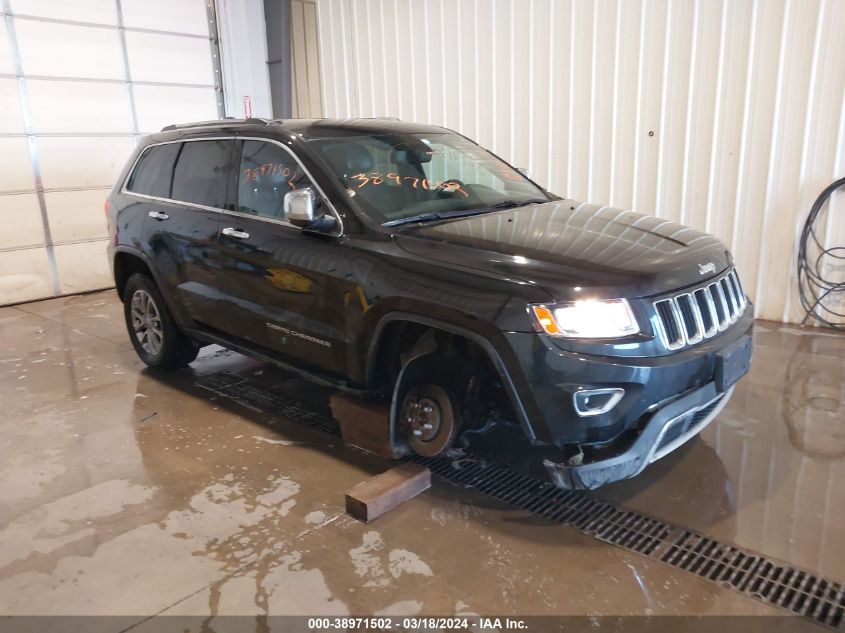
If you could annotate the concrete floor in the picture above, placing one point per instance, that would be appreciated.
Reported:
(129, 493)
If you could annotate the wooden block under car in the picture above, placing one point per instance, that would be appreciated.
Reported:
(372, 498)
(365, 425)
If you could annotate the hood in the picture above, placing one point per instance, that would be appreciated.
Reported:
(568, 248)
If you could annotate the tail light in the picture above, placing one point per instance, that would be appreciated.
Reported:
(106, 207)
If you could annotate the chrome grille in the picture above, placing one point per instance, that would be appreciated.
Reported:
(690, 317)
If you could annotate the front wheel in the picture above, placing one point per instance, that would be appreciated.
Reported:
(155, 337)
(429, 417)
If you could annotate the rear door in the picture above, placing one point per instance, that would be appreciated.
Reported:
(181, 229)
(280, 289)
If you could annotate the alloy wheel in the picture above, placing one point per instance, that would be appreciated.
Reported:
(146, 322)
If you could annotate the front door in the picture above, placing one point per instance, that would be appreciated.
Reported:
(278, 281)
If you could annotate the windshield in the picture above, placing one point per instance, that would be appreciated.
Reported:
(414, 177)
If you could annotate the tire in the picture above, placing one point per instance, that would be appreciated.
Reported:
(156, 338)
(430, 419)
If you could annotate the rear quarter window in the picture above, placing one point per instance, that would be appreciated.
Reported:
(153, 173)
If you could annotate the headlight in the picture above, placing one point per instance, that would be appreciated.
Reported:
(587, 318)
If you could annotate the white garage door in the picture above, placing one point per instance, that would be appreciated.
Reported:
(80, 82)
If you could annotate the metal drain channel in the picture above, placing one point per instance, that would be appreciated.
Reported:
(259, 397)
(775, 583)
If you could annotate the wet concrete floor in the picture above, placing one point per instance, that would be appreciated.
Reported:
(126, 492)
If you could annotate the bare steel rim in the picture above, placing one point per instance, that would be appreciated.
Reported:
(146, 322)
(428, 420)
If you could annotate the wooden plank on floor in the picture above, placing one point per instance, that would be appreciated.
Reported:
(372, 498)
(365, 425)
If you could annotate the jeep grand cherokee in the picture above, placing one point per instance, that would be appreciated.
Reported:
(405, 263)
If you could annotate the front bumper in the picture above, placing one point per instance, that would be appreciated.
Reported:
(552, 375)
(668, 429)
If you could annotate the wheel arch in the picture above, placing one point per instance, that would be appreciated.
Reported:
(128, 261)
(423, 325)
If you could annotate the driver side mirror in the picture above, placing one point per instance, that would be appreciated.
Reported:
(301, 207)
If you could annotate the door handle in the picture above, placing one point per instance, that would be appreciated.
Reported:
(158, 215)
(241, 235)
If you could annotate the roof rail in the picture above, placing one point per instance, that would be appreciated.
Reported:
(215, 122)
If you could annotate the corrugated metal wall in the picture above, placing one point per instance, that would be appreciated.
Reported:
(727, 116)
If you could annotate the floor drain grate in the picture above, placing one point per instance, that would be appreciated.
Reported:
(775, 583)
(257, 396)
(781, 585)
(604, 521)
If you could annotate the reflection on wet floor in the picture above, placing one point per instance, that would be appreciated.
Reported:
(130, 493)
(766, 475)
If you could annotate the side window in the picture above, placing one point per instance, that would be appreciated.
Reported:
(202, 173)
(153, 174)
(267, 172)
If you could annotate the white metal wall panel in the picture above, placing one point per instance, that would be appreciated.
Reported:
(26, 273)
(110, 115)
(80, 266)
(823, 140)
(69, 50)
(7, 61)
(727, 116)
(174, 16)
(29, 229)
(16, 174)
(79, 82)
(11, 119)
(86, 162)
(77, 215)
(169, 58)
(98, 11)
(243, 53)
(157, 106)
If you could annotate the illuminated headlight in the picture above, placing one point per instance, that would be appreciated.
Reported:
(587, 318)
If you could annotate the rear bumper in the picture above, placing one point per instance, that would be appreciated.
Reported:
(667, 429)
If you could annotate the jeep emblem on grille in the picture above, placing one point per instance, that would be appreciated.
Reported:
(709, 267)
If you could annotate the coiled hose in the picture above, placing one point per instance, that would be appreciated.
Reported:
(816, 291)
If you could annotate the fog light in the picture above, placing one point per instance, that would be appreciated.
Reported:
(596, 401)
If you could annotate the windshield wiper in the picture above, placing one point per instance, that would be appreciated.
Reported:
(443, 215)
(422, 217)
(436, 215)
(511, 204)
